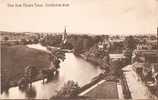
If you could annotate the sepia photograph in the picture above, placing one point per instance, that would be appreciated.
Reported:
(79, 49)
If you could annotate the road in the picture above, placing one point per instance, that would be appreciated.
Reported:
(137, 87)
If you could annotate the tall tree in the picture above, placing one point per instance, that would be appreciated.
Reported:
(6, 38)
(69, 89)
(129, 44)
(30, 73)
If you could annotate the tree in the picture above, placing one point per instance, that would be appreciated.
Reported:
(128, 54)
(67, 45)
(30, 73)
(68, 90)
(35, 40)
(98, 39)
(130, 44)
(78, 47)
(56, 56)
(116, 66)
(24, 41)
(6, 38)
(52, 40)
(88, 42)
(60, 55)
(153, 37)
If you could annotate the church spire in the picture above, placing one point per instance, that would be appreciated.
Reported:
(64, 38)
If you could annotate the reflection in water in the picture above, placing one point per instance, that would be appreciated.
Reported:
(77, 69)
(23, 89)
(56, 76)
(30, 92)
(73, 68)
(6, 92)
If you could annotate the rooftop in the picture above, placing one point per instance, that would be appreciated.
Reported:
(104, 89)
(115, 56)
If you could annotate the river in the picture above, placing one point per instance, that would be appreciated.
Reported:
(73, 68)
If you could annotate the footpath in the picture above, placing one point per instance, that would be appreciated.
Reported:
(136, 86)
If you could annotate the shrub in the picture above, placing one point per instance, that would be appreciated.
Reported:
(69, 89)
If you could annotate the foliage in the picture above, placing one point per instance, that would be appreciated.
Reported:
(116, 66)
(60, 55)
(98, 39)
(82, 43)
(100, 53)
(116, 47)
(153, 37)
(128, 54)
(35, 40)
(24, 41)
(130, 42)
(67, 46)
(57, 56)
(78, 47)
(16, 58)
(79, 43)
(6, 38)
(68, 90)
(51, 40)
(30, 72)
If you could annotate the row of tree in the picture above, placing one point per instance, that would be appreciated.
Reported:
(82, 43)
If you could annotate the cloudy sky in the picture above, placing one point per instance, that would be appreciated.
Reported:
(82, 16)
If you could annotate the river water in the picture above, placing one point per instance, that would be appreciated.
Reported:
(73, 68)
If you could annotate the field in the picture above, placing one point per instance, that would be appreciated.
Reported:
(15, 58)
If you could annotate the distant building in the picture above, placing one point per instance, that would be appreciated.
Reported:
(148, 56)
(116, 56)
(150, 45)
(143, 46)
(105, 44)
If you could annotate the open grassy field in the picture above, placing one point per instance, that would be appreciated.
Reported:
(15, 58)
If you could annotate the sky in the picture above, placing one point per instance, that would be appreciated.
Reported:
(81, 16)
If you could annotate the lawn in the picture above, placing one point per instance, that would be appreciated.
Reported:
(15, 58)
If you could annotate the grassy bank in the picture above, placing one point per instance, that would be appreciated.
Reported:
(14, 59)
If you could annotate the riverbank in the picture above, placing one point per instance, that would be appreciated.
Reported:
(72, 68)
(87, 91)
(103, 64)
(91, 59)
(115, 71)
(76, 93)
(14, 60)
